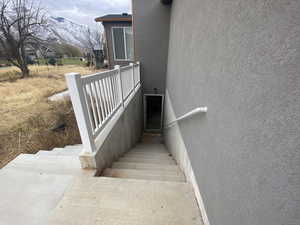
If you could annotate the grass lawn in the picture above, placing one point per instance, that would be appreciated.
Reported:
(27, 117)
(65, 61)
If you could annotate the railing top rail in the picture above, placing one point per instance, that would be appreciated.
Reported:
(125, 68)
(97, 76)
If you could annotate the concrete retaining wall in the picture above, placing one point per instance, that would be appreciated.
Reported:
(125, 133)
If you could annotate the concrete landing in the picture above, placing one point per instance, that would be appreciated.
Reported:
(110, 201)
(31, 186)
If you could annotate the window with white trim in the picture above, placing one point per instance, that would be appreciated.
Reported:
(122, 43)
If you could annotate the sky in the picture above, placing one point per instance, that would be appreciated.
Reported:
(85, 11)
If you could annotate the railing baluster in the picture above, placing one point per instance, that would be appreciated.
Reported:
(133, 79)
(93, 105)
(112, 91)
(104, 97)
(100, 101)
(93, 85)
(109, 93)
(88, 104)
(120, 85)
(107, 96)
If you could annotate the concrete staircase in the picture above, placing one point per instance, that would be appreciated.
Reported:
(146, 162)
(32, 185)
(144, 187)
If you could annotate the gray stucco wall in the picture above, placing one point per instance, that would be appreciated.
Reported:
(241, 58)
(151, 33)
(108, 36)
(126, 133)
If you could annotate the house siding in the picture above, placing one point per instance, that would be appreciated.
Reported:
(108, 34)
(151, 21)
(241, 59)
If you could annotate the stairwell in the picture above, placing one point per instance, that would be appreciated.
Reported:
(144, 187)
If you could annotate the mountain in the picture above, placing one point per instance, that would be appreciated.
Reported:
(67, 31)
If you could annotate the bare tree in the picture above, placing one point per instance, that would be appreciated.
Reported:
(21, 25)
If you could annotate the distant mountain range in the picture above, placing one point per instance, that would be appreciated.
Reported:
(68, 31)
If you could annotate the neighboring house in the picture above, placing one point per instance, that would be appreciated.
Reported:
(119, 38)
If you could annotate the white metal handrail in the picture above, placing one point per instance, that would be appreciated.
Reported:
(97, 97)
(187, 115)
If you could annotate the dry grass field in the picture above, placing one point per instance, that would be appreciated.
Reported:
(28, 117)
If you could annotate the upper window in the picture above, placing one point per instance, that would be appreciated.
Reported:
(122, 43)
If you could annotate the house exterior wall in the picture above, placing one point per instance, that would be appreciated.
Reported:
(239, 58)
(108, 35)
(151, 35)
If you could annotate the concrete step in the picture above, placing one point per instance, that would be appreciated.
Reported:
(57, 153)
(144, 174)
(149, 155)
(102, 200)
(29, 198)
(153, 147)
(74, 146)
(63, 165)
(144, 166)
(149, 152)
(67, 150)
(147, 160)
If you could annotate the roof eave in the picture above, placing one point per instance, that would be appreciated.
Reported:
(100, 19)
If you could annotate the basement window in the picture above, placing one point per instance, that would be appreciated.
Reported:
(153, 111)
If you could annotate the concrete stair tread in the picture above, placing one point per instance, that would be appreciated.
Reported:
(149, 152)
(144, 166)
(67, 150)
(74, 147)
(45, 164)
(143, 146)
(110, 201)
(147, 160)
(29, 198)
(148, 156)
(144, 174)
(57, 153)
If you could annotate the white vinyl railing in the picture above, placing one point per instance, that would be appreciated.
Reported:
(96, 98)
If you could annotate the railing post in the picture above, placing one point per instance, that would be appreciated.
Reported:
(117, 67)
(139, 71)
(133, 80)
(81, 111)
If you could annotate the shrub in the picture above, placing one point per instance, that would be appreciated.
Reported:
(52, 61)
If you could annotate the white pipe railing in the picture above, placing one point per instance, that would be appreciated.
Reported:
(96, 98)
(187, 115)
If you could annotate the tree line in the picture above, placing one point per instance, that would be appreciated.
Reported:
(24, 25)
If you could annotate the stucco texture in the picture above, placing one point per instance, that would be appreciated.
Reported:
(151, 21)
(241, 59)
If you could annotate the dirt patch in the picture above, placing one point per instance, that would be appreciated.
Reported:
(29, 121)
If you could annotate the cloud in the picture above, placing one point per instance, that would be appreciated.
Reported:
(85, 11)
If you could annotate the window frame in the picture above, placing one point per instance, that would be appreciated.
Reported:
(124, 44)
